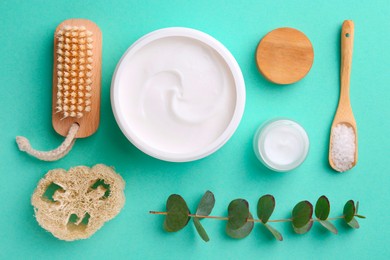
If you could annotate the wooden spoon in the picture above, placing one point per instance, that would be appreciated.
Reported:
(344, 113)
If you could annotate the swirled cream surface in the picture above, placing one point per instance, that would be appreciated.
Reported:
(178, 96)
(281, 144)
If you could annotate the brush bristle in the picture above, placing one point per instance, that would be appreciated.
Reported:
(74, 71)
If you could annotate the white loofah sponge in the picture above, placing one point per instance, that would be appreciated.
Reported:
(74, 204)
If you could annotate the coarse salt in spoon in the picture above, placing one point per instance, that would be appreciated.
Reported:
(343, 138)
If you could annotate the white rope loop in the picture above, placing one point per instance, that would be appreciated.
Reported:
(53, 155)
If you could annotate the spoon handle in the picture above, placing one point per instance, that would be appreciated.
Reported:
(347, 34)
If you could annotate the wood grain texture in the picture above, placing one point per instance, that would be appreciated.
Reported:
(344, 114)
(90, 121)
(284, 56)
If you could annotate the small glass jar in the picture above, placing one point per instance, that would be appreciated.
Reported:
(281, 144)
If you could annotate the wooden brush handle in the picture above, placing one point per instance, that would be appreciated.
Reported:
(347, 33)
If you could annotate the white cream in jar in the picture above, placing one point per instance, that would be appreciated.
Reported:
(281, 144)
(178, 94)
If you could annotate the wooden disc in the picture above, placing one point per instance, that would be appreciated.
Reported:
(284, 56)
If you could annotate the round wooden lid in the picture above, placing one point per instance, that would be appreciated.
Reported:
(284, 56)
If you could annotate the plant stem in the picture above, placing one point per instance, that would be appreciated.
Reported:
(212, 217)
(158, 212)
(335, 218)
(190, 215)
(249, 219)
(280, 220)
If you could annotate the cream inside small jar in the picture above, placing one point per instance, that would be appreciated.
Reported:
(281, 144)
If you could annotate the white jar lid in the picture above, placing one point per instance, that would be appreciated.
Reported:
(178, 94)
(281, 144)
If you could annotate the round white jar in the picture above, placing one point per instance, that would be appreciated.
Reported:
(178, 94)
(281, 144)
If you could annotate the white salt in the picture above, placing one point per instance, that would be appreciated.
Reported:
(343, 147)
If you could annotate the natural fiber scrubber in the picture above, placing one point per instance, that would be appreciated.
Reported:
(74, 204)
(284, 56)
(76, 85)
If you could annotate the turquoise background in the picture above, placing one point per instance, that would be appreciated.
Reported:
(26, 45)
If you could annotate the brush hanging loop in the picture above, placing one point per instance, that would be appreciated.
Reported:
(53, 155)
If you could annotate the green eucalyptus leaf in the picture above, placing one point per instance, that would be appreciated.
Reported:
(241, 232)
(201, 231)
(177, 213)
(329, 226)
(206, 204)
(353, 223)
(265, 207)
(304, 229)
(360, 216)
(301, 214)
(349, 211)
(357, 210)
(322, 208)
(274, 232)
(238, 212)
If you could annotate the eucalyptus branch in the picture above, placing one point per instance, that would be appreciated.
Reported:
(240, 221)
(248, 219)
